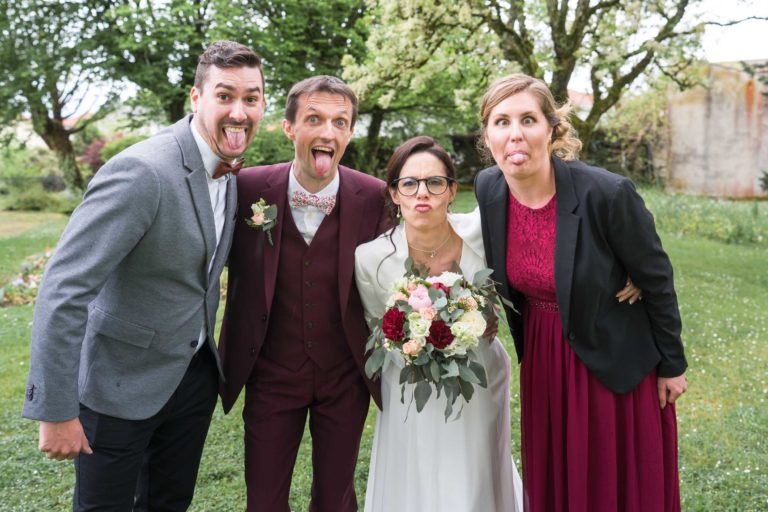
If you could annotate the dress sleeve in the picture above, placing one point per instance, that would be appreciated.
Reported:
(372, 293)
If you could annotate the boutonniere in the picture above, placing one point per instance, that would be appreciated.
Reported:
(264, 217)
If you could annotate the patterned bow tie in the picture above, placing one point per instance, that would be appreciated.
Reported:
(223, 168)
(323, 203)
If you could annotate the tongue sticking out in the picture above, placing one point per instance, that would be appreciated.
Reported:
(518, 158)
(235, 138)
(322, 162)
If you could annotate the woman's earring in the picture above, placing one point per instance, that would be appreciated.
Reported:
(398, 211)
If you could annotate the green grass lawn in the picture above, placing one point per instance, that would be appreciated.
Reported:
(723, 419)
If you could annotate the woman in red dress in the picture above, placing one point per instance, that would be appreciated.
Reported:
(598, 377)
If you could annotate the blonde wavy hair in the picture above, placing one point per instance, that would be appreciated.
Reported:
(564, 144)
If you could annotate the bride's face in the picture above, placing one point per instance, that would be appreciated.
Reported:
(423, 191)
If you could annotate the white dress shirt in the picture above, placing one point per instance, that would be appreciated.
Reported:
(309, 218)
(217, 190)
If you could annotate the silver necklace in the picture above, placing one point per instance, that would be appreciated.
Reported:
(432, 252)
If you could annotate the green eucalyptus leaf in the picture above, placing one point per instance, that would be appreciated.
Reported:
(421, 394)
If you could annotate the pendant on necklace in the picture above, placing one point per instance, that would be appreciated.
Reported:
(432, 254)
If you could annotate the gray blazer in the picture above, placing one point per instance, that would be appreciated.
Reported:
(125, 294)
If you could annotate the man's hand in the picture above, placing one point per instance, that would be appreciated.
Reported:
(670, 389)
(630, 293)
(62, 440)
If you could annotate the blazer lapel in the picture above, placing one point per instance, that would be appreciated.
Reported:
(226, 234)
(275, 192)
(566, 236)
(197, 182)
(352, 206)
(497, 215)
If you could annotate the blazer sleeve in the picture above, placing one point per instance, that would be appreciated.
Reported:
(366, 266)
(634, 239)
(118, 208)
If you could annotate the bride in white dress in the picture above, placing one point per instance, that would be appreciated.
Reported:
(419, 461)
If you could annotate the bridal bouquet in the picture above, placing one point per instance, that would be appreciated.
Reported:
(434, 323)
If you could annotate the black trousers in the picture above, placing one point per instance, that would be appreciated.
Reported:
(151, 464)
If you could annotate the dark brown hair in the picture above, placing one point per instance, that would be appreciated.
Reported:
(226, 55)
(415, 145)
(319, 83)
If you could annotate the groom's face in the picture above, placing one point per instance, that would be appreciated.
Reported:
(320, 133)
(228, 108)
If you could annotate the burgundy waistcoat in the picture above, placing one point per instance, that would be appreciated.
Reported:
(305, 319)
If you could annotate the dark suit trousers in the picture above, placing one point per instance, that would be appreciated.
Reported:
(149, 464)
(277, 401)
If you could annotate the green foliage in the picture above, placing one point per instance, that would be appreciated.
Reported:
(270, 144)
(115, 146)
(432, 51)
(722, 419)
(36, 198)
(55, 66)
(731, 222)
(296, 38)
(155, 45)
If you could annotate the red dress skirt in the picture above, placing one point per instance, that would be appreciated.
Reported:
(585, 448)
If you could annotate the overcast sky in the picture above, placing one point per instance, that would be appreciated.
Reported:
(745, 41)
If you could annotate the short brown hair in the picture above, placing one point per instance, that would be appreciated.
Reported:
(564, 144)
(224, 55)
(319, 83)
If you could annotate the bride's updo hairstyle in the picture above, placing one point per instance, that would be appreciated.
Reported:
(564, 144)
(415, 145)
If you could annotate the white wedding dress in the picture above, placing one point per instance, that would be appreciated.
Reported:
(420, 462)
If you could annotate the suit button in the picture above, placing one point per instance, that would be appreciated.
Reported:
(571, 336)
(309, 344)
(307, 304)
(306, 263)
(310, 325)
(193, 343)
(263, 318)
(308, 283)
(253, 351)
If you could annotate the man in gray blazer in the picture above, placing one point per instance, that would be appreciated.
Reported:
(124, 368)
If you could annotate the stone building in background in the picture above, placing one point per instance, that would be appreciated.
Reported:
(718, 135)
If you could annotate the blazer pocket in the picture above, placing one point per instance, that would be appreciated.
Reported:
(119, 329)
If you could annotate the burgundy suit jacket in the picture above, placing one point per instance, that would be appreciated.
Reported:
(253, 266)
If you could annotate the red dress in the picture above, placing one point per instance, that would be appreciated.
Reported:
(585, 448)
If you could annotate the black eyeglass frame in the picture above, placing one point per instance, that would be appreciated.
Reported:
(449, 181)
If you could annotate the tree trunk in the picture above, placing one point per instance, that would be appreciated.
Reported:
(71, 171)
(175, 109)
(370, 161)
(56, 137)
(585, 130)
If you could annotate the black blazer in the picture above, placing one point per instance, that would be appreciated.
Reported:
(603, 233)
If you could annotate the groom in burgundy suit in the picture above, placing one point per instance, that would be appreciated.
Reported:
(294, 334)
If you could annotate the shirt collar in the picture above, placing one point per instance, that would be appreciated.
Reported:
(330, 189)
(210, 160)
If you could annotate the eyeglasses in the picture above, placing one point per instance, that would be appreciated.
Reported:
(436, 185)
